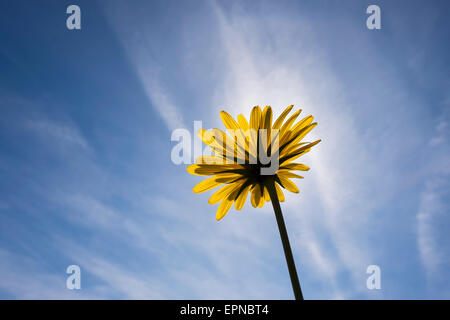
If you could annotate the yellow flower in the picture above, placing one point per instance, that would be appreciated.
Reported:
(240, 158)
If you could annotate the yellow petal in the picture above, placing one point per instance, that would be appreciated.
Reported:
(288, 174)
(294, 153)
(256, 196)
(228, 178)
(267, 118)
(226, 204)
(293, 147)
(261, 202)
(206, 136)
(224, 207)
(225, 191)
(252, 144)
(288, 184)
(215, 181)
(285, 132)
(289, 122)
(302, 124)
(223, 142)
(238, 144)
(259, 196)
(296, 138)
(242, 197)
(212, 169)
(266, 124)
(243, 122)
(279, 121)
(292, 156)
(280, 193)
(206, 185)
(294, 166)
(244, 138)
(255, 118)
(230, 147)
(228, 120)
(208, 159)
(274, 147)
(197, 170)
(266, 195)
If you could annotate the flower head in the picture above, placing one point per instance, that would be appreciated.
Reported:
(252, 154)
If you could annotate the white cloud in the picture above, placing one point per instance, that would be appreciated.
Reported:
(24, 277)
(64, 133)
(138, 47)
(117, 280)
(431, 220)
(441, 134)
(432, 215)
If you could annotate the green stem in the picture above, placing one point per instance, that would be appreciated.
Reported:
(270, 184)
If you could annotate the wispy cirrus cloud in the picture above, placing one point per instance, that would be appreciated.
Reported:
(28, 278)
(432, 214)
(139, 48)
(431, 207)
(62, 133)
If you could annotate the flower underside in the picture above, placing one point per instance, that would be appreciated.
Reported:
(251, 155)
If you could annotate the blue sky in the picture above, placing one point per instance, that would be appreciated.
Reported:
(85, 143)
